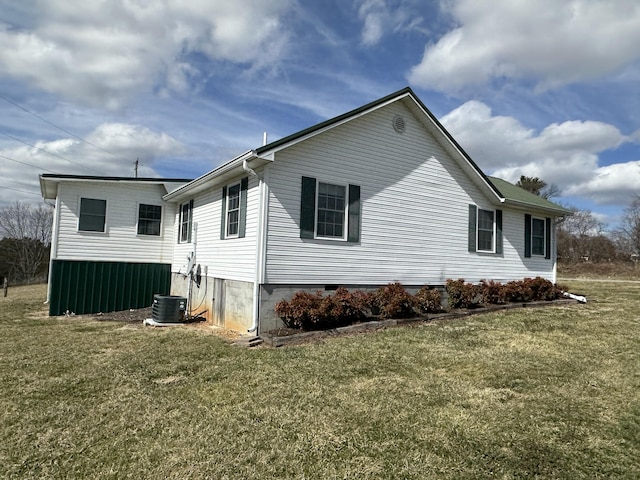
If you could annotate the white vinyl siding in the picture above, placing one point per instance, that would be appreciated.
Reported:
(120, 242)
(414, 209)
(229, 258)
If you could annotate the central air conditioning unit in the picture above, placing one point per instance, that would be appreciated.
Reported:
(168, 309)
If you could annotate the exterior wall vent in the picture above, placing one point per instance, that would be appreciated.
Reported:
(399, 124)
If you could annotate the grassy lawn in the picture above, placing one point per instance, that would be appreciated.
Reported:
(530, 393)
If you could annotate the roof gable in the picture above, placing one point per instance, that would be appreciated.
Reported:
(421, 112)
(497, 190)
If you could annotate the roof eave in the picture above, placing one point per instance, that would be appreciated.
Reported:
(49, 182)
(48, 188)
(223, 173)
(559, 211)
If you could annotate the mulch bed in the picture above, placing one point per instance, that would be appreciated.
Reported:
(291, 336)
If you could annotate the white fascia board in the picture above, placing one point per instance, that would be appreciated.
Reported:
(223, 173)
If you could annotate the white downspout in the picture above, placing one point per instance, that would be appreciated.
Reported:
(263, 196)
(53, 254)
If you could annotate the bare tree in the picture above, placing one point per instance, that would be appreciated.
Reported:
(26, 232)
(581, 237)
(627, 236)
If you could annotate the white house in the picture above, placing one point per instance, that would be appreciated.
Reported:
(380, 194)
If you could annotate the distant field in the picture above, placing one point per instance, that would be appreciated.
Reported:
(626, 270)
(530, 393)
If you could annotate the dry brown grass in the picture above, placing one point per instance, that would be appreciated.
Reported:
(529, 393)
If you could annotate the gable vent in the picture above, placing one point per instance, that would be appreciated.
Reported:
(398, 124)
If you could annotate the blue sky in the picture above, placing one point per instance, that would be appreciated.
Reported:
(545, 88)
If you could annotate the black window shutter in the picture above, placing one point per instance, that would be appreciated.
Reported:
(242, 221)
(527, 235)
(308, 207)
(547, 238)
(354, 214)
(473, 213)
(223, 214)
(498, 231)
(190, 221)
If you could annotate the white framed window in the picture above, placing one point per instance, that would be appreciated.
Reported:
(186, 214)
(486, 230)
(331, 211)
(538, 236)
(93, 215)
(149, 219)
(233, 211)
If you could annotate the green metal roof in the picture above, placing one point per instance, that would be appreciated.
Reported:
(514, 194)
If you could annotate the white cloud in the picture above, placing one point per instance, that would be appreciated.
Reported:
(555, 43)
(100, 53)
(611, 184)
(564, 154)
(111, 150)
(379, 18)
(372, 13)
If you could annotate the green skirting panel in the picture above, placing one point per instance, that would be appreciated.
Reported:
(90, 287)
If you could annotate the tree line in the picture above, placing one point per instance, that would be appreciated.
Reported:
(25, 232)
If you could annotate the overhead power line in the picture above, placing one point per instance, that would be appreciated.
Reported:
(25, 163)
(48, 152)
(22, 191)
(60, 128)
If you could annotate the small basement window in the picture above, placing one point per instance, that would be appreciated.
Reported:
(93, 215)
